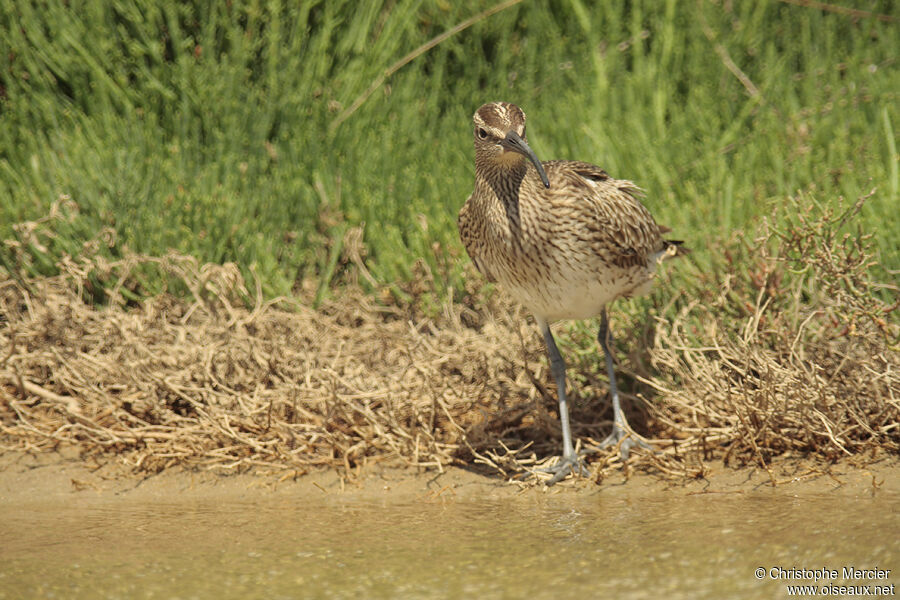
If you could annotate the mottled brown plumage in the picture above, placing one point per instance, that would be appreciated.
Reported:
(562, 237)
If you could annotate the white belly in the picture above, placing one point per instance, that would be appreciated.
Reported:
(566, 301)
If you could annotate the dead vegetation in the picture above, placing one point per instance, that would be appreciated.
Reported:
(784, 347)
(793, 352)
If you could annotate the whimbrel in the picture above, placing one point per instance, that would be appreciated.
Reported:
(564, 239)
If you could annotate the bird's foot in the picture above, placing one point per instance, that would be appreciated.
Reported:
(624, 440)
(566, 464)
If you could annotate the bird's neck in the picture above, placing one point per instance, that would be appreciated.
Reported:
(503, 179)
(500, 187)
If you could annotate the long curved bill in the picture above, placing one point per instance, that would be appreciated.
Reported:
(514, 142)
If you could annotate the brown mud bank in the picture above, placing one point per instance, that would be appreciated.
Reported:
(791, 356)
(26, 478)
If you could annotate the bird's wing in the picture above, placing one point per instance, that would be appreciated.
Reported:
(624, 230)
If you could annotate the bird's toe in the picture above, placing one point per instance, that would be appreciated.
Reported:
(563, 467)
(624, 441)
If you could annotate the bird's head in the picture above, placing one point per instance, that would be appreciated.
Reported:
(500, 138)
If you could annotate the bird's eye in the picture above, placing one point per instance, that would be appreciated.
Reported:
(482, 133)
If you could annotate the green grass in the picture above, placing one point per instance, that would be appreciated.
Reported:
(205, 126)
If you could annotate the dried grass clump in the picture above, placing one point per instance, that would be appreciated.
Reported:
(787, 347)
(201, 378)
(210, 383)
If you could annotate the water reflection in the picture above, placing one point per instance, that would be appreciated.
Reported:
(666, 545)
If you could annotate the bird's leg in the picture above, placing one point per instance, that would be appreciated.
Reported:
(621, 435)
(570, 461)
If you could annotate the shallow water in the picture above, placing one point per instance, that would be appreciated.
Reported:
(539, 546)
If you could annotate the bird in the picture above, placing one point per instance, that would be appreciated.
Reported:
(564, 239)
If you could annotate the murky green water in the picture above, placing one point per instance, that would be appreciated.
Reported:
(542, 546)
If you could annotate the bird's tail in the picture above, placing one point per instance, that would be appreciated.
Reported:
(673, 248)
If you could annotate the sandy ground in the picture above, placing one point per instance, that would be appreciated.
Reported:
(25, 477)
